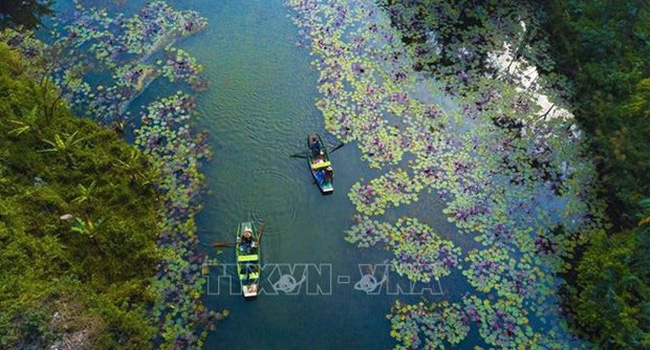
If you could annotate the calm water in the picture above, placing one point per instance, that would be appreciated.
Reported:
(258, 111)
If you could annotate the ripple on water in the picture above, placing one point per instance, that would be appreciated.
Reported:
(272, 197)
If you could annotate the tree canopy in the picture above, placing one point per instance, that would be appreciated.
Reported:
(26, 13)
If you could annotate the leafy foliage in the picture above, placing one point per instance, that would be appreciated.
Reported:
(613, 292)
(77, 231)
(603, 48)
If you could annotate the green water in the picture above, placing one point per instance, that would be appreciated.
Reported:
(258, 112)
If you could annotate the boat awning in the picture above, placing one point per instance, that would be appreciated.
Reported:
(321, 165)
(248, 257)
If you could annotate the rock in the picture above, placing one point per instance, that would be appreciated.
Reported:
(66, 217)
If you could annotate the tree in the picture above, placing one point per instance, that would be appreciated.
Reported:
(613, 299)
(26, 13)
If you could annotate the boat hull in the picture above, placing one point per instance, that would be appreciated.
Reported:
(248, 258)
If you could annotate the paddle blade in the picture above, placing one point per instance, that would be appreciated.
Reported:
(223, 244)
(262, 227)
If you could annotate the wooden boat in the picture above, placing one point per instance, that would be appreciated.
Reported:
(319, 163)
(248, 259)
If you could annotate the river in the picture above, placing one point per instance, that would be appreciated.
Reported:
(258, 112)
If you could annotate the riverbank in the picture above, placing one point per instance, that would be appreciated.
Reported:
(78, 230)
(103, 62)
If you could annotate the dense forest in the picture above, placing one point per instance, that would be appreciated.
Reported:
(603, 48)
(77, 224)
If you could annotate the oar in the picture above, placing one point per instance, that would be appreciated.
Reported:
(262, 227)
(298, 155)
(337, 147)
(223, 244)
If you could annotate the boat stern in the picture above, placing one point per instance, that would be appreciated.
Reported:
(327, 188)
(250, 290)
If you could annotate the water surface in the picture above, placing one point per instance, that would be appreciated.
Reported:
(258, 112)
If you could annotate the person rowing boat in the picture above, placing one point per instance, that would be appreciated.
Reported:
(248, 258)
(314, 145)
(247, 242)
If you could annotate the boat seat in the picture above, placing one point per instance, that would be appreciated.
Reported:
(248, 257)
(321, 165)
(252, 275)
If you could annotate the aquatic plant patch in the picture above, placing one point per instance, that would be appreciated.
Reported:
(392, 189)
(179, 65)
(165, 135)
(423, 326)
(420, 254)
(508, 174)
(501, 324)
(89, 41)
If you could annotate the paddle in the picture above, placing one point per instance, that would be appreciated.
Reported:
(340, 145)
(303, 155)
(262, 226)
(298, 155)
(223, 244)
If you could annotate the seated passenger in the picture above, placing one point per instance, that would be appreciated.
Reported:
(317, 159)
(328, 174)
(314, 145)
(247, 241)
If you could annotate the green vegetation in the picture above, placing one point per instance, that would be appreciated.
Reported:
(77, 224)
(26, 13)
(603, 48)
(612, 304)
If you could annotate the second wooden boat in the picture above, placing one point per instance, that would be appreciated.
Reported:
(319, 163)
